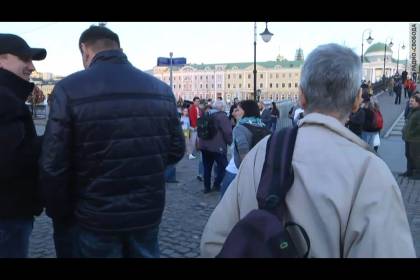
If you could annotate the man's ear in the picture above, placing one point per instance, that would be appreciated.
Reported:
(87, 54)
(2, 58)
(84, 49)
(302, 99)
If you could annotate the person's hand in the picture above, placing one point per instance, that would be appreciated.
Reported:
(358, 102)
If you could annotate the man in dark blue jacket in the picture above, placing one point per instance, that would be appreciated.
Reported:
(112, 131)
(19, 147)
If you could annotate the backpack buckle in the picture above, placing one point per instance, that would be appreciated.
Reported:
(271, 201)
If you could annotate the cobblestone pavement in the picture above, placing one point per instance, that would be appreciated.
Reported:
(410, 190)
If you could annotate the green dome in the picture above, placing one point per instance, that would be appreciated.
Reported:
(378, 47)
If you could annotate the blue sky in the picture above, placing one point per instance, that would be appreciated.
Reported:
(200, 42)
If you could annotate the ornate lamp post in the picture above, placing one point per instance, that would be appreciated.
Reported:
(369, 40)
(266, 36)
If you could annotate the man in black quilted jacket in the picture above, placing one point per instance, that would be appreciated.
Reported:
(112, 131)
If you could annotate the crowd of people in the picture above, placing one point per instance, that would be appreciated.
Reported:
(114, 133)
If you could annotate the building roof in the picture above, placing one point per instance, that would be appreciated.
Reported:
(378, 47)
(243, 65)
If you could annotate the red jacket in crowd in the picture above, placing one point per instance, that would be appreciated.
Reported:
(194, 113)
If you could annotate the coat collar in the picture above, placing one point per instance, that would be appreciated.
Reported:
(334, 125)
(114, 56)
(20, 87)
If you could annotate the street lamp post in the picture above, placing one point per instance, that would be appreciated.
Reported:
(390, 45)
(369, 40)
(398, 60)
(266, 36)
(170, 70)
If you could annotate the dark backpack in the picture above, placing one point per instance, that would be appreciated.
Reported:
(263, 233)
(371, 122)
(206, 127)
(258, 133)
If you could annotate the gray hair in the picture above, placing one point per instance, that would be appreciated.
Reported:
(219, 105)
(330, 79)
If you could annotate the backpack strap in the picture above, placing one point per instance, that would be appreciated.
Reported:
(277, 175)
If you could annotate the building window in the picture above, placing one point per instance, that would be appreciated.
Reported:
(249, 85)
(174, 86)
(195, 77)
(228, 76)
(228, 85)
(234, 86)
(201, 77)
(240, 85)
(283, 85)
(296, 85)
(249, 76)
(261, 85)
(207, 77)
(240, 76)
(271, 85)
(201, 86)
(207, 86)
(296, 74)
(271, 76)
(284, 75)
(277, 75)
(290, 85)
(277, 85)
(212, 86)
(290, 75)
(179, 86)
(261, 76)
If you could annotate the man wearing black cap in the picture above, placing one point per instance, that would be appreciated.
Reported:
(112, 131)
(19, 147)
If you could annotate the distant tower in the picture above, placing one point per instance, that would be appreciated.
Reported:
(280, 58)
(102, 24)
(299, 55)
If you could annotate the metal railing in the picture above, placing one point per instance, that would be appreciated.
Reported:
(39, 111)
(381, 85)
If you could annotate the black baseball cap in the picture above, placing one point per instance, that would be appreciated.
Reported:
(15, 45)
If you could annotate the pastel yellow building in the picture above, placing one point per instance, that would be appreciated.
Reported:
(276, 80)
